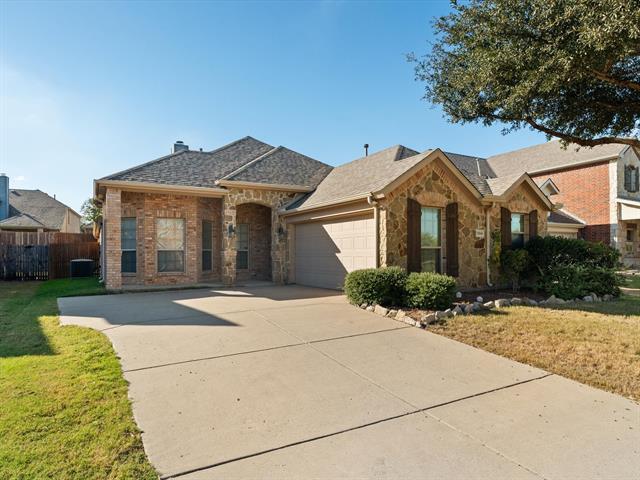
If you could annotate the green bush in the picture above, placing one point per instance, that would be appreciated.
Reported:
(430, 290)
(513, 264)
(383, 286)
(570, 268)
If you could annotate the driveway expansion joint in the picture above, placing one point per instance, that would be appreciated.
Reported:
(369, 424)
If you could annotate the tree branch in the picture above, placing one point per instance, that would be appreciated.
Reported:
(605, 77)
(634, 142)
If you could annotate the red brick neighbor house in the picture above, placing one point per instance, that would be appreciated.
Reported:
(251, 211)
(598, 188)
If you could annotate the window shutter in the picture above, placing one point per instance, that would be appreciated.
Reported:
(505, 227)
(451, 241)
(636, 187)
(413, 235)
(533, 223)
(627, 179)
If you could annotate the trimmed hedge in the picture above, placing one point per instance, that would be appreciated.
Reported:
(570, 268)
(382, 286)
(430, 291)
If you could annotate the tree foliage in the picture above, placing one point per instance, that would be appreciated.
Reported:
(91, 211)
(569, 68)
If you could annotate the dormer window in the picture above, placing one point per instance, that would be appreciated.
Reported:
(631, 178)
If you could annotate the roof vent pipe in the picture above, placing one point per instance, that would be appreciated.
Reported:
(366, 149)
(179, 146)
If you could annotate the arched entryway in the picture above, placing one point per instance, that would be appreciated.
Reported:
(253, 242)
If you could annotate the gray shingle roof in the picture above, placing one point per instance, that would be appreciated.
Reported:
(559, 216)
(475, 169)
(548, 156)
(285, 167)
(361, 176)
(204, 169)
(501, 184)
(28, 208)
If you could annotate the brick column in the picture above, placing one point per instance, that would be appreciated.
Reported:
(113, 252)
(228, 243)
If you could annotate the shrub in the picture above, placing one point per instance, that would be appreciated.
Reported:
(383, 286)
(570, 268)
(430, 290)
(512, 264)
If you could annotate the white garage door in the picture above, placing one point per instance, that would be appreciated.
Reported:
(325, 251)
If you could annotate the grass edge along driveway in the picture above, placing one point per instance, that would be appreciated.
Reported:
(65, 411)
(593, 343)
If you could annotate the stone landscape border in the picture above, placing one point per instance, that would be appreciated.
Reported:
(428, 318)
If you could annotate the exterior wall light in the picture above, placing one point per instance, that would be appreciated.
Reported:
(231, 230)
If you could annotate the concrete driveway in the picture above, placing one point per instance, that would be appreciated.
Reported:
(292, 382)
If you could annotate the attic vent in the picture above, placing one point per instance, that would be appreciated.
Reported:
(179, 146)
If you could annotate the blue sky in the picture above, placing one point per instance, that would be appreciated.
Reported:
(90, 88)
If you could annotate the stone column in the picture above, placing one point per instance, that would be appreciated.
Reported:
(228, 242)
(113, 252)
(278, 249)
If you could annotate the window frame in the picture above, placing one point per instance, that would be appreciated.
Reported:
(203, 249)
(438, 248)
(128, 250)
(183, 251)
(518, 233)
(632, 178)
(239, 250)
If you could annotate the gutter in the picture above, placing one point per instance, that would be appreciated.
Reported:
(160, 187)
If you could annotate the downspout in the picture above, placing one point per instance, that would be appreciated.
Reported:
(488, 242)
(376, 220)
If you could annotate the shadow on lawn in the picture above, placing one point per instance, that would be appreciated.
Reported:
(20, 330)
(623, 305)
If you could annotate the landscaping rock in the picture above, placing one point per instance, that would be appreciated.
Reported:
(468, 309)
(531, 302)
(607, 298)
(458, 294)
(363, 305)
(440, 315)
(457, 311)
(479, 299)
(595, 297)
(502, 302)
(448, 313)
(400, 315)
(587, 298)
(553, 300)
(516, 301)
(392, 313)
(489, 305)
(477, 306)
(380, 310)
(370, 308)
(430, 318)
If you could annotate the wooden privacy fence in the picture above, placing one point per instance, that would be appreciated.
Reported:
(42, 256)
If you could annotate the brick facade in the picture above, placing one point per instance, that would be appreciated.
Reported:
(585, 192)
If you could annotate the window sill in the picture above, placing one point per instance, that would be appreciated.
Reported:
(129, 274)
(171, 274)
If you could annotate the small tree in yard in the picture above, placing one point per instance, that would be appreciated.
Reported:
(513, 263)
(570, 69)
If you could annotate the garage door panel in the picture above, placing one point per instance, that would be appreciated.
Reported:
(326, 251)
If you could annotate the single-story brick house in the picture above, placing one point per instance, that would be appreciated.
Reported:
(249, 210)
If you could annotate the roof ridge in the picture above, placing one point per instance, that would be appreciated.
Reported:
(246, 137)
(259, 158)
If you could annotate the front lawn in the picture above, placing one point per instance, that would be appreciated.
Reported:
(593, 343)
(64, 411)
(633, 282)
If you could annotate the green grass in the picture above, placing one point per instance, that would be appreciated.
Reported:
(64, 411)
(633, 282)
(593, 343)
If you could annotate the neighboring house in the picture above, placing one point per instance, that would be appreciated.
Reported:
(249, 210)
(34, 211)
(598, 187)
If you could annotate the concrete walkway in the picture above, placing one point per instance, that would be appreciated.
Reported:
(292, 382)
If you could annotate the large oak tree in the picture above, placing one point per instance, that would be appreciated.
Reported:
(569, 68)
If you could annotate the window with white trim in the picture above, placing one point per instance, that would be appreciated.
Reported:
(128, 244)
(170, 244)
(430, 240)
(517, 230)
